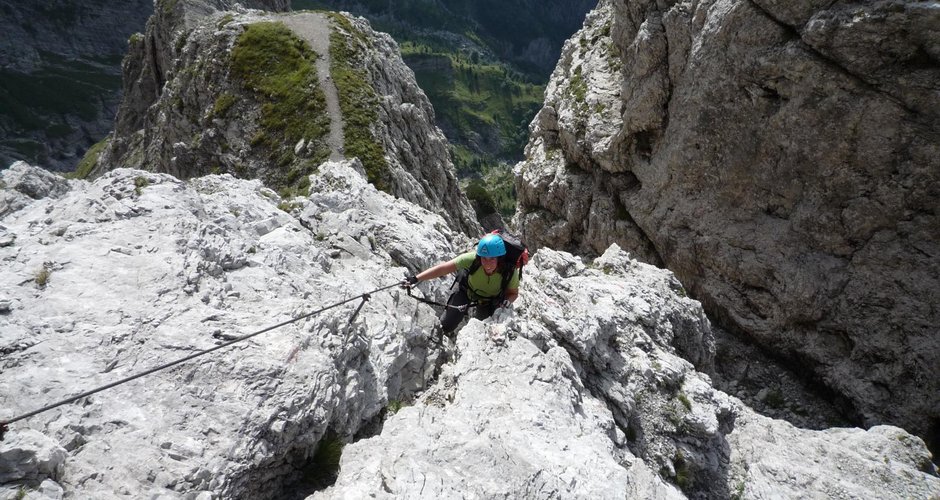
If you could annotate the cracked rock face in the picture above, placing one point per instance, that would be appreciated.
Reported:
(581, 392)
(782, 159)
(142, 269)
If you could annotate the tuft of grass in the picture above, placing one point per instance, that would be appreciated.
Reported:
(42, 277)
(222, 104)
(683, 473)
(685, 401)
(140, 182)
(738, 492)
(395, 405)
(357, 100)
(20, 493)
(578, 86)
(278, 68)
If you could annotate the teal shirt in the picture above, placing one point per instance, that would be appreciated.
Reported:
(481, 285)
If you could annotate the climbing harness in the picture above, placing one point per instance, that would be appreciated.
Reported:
(4, 424)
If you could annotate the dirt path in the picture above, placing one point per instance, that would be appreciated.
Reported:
(315, 29)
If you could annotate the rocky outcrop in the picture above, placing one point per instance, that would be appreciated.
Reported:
(143, 268)
(140, 268)
(206, 94)
(60, 68)
(782, 160)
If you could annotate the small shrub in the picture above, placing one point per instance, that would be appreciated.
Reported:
(683, 473)
(42, 276)
(20, 493)
(395, 405)
(738, 492)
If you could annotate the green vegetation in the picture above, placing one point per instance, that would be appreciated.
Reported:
(20, 493)
(88, 162)
(685, 401)
(224, 20)
(684, 477)
(472, 97)
(480, 198)
(42, 276)
(465, 56)
(140, 182)
(278, 67)
(357, 100)
(578, 87)
(738, 491)
(395, 405)
(222, 104)
(60, 86)
(489, 184)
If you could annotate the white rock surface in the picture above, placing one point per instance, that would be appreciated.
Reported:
(579, 392)
(142, 276)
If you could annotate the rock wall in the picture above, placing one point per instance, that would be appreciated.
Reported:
(782, 160)
(189, 111)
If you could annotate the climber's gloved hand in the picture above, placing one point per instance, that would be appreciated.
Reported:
(505, 304)
(409, 282)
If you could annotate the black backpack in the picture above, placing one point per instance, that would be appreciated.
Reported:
(517, 256)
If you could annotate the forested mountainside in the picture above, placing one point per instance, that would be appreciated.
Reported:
(483, 65)
(60, 75)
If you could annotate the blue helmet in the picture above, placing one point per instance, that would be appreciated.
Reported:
(491, 245)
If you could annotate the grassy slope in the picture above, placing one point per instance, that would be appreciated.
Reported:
(278, 68)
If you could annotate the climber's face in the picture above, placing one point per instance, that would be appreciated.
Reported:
(489, 264)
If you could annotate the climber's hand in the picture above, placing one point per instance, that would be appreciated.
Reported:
(409, 282)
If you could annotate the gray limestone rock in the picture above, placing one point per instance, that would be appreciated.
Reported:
(23, 184)
(782, 159)
(579, 392)
(29, 456)
(588, 387)
(196, 114)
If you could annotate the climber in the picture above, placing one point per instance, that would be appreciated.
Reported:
(489, 280)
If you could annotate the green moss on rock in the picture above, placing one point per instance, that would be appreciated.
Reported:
(89, 160)
(278, 68)
(358, 102)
